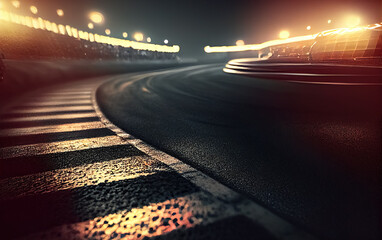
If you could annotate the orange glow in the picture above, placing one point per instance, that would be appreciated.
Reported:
(61, 29)
(16, 4)
(329, 21)
(107, 31)
(90, 25)
(138, 36)
(352, 21)
(308, 27)
(33, 9)
(284, 34)
(96, 17)
(60, 12)
(240, 43)
(40, 23)
(128, 222)
(252, 47)
(125, 34)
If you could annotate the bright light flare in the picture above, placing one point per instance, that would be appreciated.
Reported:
(60, 12)
(240, 43)
(148, 39)
(16, 4)
(107, 31)
(33, 9)
(138, 36)
(329, 21)
(352, 21)
(90, 25)
(308, 28)
(165, 41)
(284, 34)
(125, 34)
(96, 17)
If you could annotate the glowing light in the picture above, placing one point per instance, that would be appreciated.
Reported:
(1, 5)
(329, 21)
(107, 31)
(252, 47)
(138, 36)
(96, 17)
(148, 39)
(125, 34)
(34, 9)
(240, 43)
(60, 12)
(16, 4)
(40, 23)
(271, 43)
(90, 25)
(61, 29)
(284, 34)
(165, 41)
(352, 21)
(308, 27)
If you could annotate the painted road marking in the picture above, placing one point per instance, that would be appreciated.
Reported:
(50, 117)
(209, 202)
(52, 109)
(56, 147)
(51, 129)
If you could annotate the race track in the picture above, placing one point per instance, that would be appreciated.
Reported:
(309, 152)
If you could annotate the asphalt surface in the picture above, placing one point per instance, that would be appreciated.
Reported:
(68, 173)
(309, 152)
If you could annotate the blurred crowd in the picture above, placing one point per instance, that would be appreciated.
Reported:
(21, 42)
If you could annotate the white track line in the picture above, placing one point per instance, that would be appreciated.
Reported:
(60, 147)
(51, 117)
(54, 103)
(85, 175)
(70, 127)
(52, 109)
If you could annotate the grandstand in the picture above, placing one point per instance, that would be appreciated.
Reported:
(24, 37)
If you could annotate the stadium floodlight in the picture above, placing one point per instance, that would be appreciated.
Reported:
(60, 12)
(329, 21)
(90, 25)
(138, 36)
(96, 17)
(33, 9)
(107, 31)
(165, 41)
(284, 34)
(125, 34)
(16, 4)
(308, 28)
(148, 39)
(240, 43)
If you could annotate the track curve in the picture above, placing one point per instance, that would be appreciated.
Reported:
(309, 152)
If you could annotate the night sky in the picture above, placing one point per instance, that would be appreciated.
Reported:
(197, 23)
